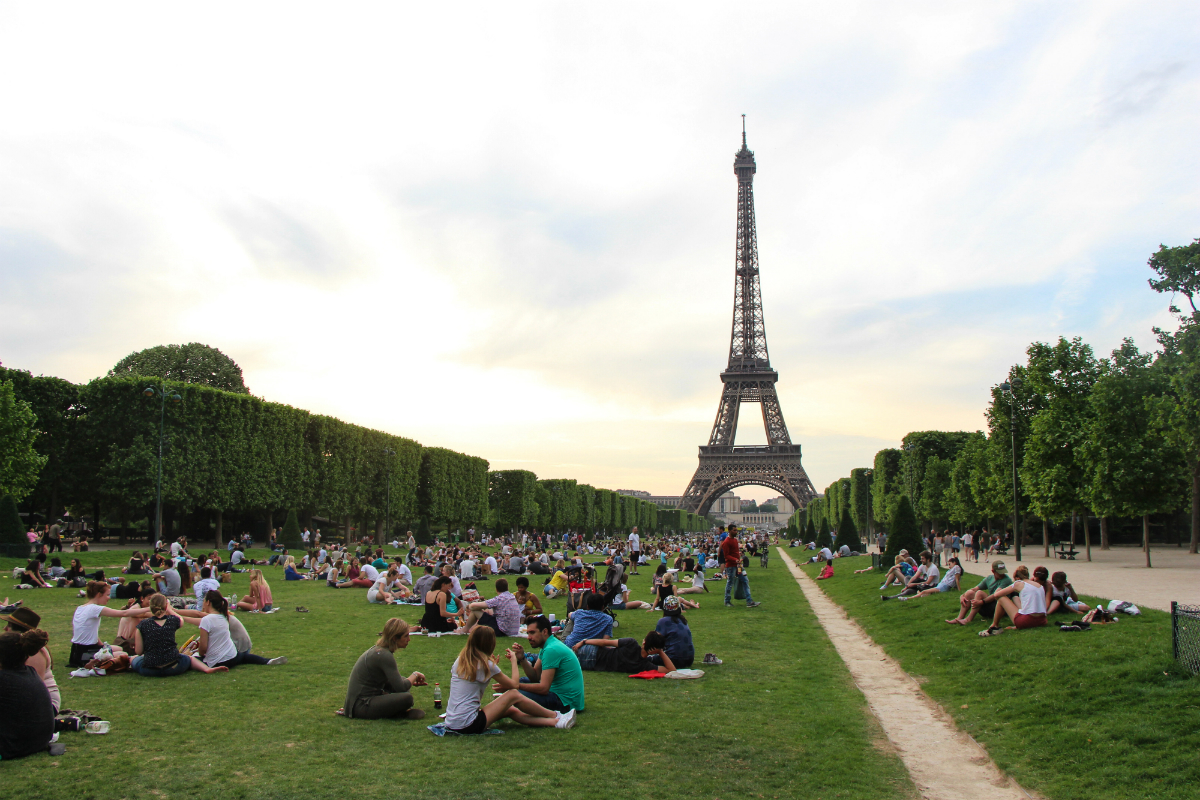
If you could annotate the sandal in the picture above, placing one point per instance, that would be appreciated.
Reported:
(994, 630)
(302, 609)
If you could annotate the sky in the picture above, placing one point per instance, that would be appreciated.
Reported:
(508, 229)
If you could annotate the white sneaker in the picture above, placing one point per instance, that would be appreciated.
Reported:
(566, 720)
(277, 660)
(83, 673)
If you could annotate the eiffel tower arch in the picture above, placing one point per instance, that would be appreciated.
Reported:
(748, 378)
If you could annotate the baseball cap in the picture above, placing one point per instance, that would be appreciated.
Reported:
(998, 566)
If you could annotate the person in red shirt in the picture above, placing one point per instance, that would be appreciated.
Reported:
(731, 554)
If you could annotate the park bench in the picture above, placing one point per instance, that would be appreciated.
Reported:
(1065, 550)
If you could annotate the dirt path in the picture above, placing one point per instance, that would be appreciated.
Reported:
(944, 763)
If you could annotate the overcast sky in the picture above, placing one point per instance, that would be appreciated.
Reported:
(509, 229)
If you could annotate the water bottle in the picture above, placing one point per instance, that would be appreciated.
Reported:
(437, 695)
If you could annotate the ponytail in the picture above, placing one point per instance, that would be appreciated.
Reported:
(16, 647)
(219, 603)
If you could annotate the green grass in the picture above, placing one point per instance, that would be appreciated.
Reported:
(1103, 713)
(780, 718)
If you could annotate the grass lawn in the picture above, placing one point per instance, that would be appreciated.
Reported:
(1105, 713)
(780, 718)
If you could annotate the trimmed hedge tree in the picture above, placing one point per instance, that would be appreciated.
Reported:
(905, 534)
(847, 533)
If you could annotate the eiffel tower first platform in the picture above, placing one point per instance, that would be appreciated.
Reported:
(748, 379)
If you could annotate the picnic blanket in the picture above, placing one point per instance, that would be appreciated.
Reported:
(440, 729)
(649, 674)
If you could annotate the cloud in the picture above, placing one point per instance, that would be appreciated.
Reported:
(510, 231)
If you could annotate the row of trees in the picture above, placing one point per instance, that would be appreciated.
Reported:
(1115, 437)
(95, 446)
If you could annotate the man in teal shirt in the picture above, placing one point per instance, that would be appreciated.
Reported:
(974, 600)
(554, 680)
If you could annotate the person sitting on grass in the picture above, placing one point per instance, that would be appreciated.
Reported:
(625, 655)
(826, 571)
(26, 713)
(376, 689)
(622, 602)
(528, 601)
(903, 569)
(470, 675)
(972, 601)
(697, 586)
(438, 618)
(1033, 593)
(85, 624)
(948, 583)
(290, 573)
(215, 647)
(926, 577)
(556, 584)
(1062, 597)
(154, 643)
(590, 622)
(500, 612)
(32, 576)
(21, 620)
(676, 633)
(554, 679)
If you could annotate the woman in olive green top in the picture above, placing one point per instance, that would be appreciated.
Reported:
(377, 690)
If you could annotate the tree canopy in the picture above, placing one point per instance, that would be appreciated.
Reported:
(186, 363)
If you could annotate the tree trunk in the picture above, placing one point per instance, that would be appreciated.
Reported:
(270, 523)
(1073, 515)
(124, 524)
(220, 535)
(96, 514)
(1045, 539)
(1195, 508)
(379, 532)
(1146, 537)
(1104, 533)
(1087, 537)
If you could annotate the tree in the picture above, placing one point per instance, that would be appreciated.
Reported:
(936, 484)
(823, 537)
(961, 504)
(1178, 269)
(810, 531)
(20, 463)
(886, 482)
(917, 448)
(290, 535)
(186, 363)
(848, 534)
(904, 533)
(1053, 470)
(512, 495)
(1134, 468)
(11, 529)
(860, 498)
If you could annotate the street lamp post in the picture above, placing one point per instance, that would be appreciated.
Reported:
(1006, 389)
(870, 533)
(387, 514)
(160, 391)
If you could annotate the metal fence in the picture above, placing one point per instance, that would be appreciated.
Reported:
(1185, 635)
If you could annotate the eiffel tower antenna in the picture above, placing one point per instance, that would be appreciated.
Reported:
(748, 378)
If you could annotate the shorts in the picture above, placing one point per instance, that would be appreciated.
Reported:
(1023, 621)
(949, 587)
(617, 606)
(478, 725)
(988, 610)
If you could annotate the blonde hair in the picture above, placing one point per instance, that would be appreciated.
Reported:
(289, 561)
(393, 630)
(477, 654)
(158, 604)
(1021, 573)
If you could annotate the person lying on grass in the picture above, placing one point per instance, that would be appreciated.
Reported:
(376, 689)
(900, 573)
(826, 571)
(972, 601)
(1033, 594)
(926, 577)
(1062, 597)
(470, 675)
(948, 583)
(624, 655)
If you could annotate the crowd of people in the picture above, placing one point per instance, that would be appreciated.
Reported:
(538, 677)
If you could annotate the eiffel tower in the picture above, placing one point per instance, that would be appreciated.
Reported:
(748, 379)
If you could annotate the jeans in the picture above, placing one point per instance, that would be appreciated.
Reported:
(587, 656)
(549, 700)
(732, 576)
(181, 666)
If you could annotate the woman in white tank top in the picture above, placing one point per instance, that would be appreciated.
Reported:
(1033, 594)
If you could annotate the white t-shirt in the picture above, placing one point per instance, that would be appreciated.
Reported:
(85, 625)
(466, 568)
(237, 557)
(491, 562)
(826, 553)
(220, 644)
(932, 573)
(635, 542)
(369, 572)
(206, 585)
(967, 539)
(624, 593)
(545, 559)
(175, 548)
(466, 696)
(406, 573)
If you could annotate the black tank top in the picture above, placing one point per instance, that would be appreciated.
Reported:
(434, 621)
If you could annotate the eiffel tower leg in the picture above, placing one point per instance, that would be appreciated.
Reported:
(725, 425)
(777, 432)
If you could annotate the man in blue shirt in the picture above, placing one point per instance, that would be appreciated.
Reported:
(590, 622)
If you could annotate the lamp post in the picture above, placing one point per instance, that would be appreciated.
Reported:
(387, 514)
(870, 537)
(160, 391)
(1006, 389)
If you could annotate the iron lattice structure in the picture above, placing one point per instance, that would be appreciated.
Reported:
(749, 378)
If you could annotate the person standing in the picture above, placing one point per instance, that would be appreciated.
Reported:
(732, 556)
(635, 549)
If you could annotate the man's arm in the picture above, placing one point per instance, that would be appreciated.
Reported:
(595, 642)
(544, 681)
